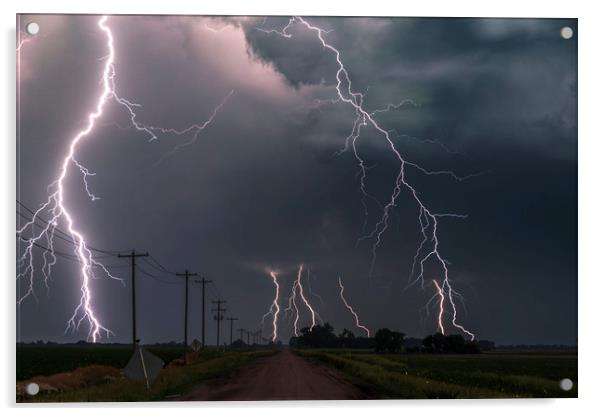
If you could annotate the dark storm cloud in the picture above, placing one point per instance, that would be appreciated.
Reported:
(471, 76)
(261, 187)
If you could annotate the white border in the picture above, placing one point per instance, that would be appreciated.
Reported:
(590, 209)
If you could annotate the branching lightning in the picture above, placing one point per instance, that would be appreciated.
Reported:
(56, 207)
(292, 302)
(357, 319)
(428, 220)
(292, 307)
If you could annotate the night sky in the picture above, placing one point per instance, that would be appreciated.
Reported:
(262, 187)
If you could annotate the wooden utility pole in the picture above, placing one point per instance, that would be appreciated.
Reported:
(231, 327)
(187, 275)
(203, 282)
(218, 316)
(133, 256)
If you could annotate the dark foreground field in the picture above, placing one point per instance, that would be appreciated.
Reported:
(172, 382)
(43, 360)
(430, 376)
(305, 374)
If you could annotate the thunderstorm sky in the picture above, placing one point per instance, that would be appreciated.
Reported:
(262, 186)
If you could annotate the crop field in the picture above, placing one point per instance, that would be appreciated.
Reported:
(36, 360)
(431, 376)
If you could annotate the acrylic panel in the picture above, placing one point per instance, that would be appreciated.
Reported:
(295, 208)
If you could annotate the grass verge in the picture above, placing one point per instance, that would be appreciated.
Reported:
(443, 377)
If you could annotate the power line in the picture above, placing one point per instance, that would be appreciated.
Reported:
(59, 236)
(67, 256)
(158, 266)
(155, 277)
(67, 236)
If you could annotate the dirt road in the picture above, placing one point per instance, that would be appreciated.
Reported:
(283, 376)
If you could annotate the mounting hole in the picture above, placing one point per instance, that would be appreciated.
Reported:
(566, 384)
(566, 33)
(32, 28)
(32, 389)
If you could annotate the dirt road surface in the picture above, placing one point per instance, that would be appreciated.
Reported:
(283, 376)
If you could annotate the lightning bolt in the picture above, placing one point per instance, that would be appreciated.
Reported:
(311, 292)
(292, 304)
(197, 128)
(274, 307)
(428, 220)
(441, 296)
(299, 285)
(56, 208)
(214, 30)
(357, 319)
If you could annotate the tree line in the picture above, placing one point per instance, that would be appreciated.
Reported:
(385, 341)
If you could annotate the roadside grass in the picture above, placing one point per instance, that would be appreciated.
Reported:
(422, 376)
(170, 383)
(543, 365)
(513, 374)
(34, 360)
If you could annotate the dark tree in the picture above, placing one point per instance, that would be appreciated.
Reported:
(346, 339)
(388, 341)
(449, 344)
(320, 336)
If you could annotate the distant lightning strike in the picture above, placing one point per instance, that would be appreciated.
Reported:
(292, 302)
(302, 294)
(357, 319)
(56, 208)
(292, 306)
(427, 219)
(274, 307)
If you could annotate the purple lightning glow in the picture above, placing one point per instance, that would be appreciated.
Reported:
(427, 219)
(57, 210)
(357, 319)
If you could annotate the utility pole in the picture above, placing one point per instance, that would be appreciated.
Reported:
(133, 256)
(187, 275)
(203, 282)
(219, 317)
(231, 327)
(241, 330)
(256, 338)
(248, 337)
(259, 337)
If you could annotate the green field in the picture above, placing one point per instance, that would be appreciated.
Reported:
(36, 360)
(430, 376)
